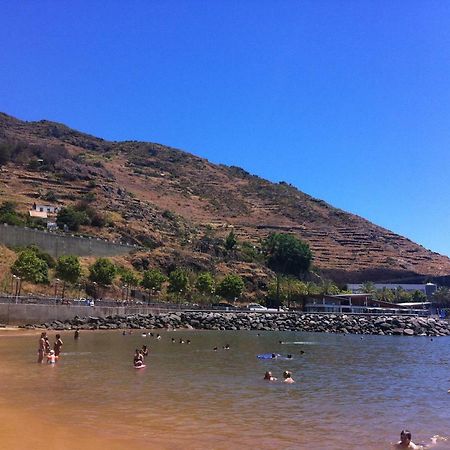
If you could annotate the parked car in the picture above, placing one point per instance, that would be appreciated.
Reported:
(223, 305)
(256, 307)
(261, 308)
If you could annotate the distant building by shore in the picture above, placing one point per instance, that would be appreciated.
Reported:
(428, 288)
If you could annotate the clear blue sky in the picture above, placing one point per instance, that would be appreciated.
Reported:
(347, 100)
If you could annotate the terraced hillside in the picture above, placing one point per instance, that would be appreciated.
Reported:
(180, 206)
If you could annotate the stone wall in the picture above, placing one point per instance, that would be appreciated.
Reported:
(20, 314)
(57, 244)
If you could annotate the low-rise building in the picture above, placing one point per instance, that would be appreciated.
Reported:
(362, 304)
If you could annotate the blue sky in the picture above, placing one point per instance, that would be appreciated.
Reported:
(347, 100)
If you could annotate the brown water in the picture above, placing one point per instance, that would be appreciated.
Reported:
(350, 393)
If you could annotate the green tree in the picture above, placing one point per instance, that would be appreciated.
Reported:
(368, 288)
(230, 241)
(103, 272)
(442, 297)
(129, 279)
(9, 215)
(231, 287)
(68, 269)
(71, 218)
(153, 280)
(178, 282)
(30, 268)
(329, 288)
(205, 283)
(385, 295)
(287, 255)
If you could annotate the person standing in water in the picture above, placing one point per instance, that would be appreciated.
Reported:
(58, 344)
(144, 350)
(77, 334)
(41, 348)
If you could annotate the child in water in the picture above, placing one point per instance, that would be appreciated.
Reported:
(51, 357)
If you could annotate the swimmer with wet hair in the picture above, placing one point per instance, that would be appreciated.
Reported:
(288, 377)
(268, 376)
(405, 441)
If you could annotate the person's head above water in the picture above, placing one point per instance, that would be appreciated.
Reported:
(287, 374)
(268, 375)
(405, 436)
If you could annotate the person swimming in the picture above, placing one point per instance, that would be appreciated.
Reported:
(288, 377)
(405, 441)
(181, 341)
(268, 376)
(215, 349)
(226, 347)
(158, 336)
(188, 341)
(138, 358)
(173, 340)
(289, 356)
(274, 356)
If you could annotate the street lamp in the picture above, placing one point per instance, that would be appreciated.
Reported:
(57, 280)
(18, 286)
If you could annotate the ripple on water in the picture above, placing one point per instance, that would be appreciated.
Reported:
(192, 397)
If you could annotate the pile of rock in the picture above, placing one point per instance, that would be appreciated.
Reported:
(327, 323)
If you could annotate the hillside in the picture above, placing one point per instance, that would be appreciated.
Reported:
(181, 206)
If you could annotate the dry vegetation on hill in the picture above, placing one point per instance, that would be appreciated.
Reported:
(181, 207)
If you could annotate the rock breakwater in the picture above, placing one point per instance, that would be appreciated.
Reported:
(329, 323)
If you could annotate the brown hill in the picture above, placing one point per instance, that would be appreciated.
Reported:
(181, 206)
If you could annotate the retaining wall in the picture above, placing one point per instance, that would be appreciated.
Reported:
(61, 244)
(20, 314)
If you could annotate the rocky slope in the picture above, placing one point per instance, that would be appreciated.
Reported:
(181, 206)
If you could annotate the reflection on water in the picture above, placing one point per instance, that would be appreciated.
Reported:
(349, 393)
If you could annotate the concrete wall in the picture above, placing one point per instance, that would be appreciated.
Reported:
(12, 314)
(61, 244)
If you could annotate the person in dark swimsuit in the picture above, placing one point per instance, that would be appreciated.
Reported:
(58, 344)
(41, 348)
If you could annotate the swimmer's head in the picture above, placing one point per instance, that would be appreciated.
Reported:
(268, 375)
(287, 374)
(405, 436)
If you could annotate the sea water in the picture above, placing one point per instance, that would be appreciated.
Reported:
(350, 392)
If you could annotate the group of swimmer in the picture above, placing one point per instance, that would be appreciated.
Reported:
(44, 350)
(181, 341)
(287, 377)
